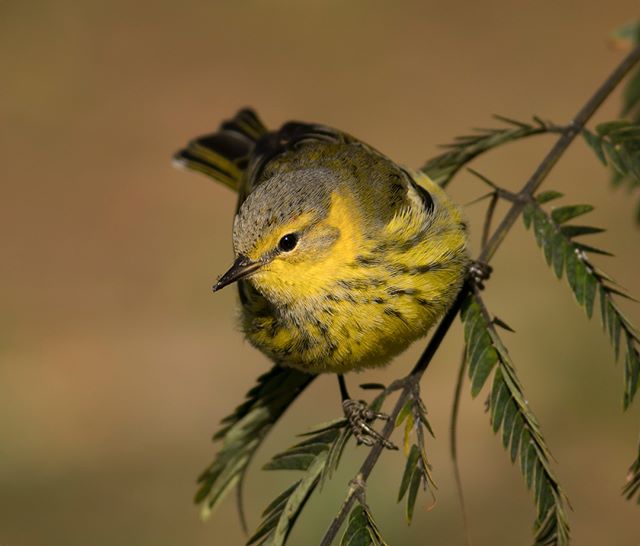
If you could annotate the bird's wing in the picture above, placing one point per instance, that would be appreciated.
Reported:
(296, 145)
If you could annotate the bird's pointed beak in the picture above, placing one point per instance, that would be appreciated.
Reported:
(241, 268)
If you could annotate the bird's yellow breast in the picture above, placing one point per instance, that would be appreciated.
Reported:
(368, 298)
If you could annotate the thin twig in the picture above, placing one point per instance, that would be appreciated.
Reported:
(488, 250)
(579, 121)
(488, 218)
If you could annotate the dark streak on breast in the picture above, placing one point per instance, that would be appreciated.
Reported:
(425, 268)
(359, 285)
(395, 291)
(424, 302)
(394, 313)
(367, 261)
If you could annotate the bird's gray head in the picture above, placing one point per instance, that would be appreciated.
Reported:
(280, 227)
(287, 204)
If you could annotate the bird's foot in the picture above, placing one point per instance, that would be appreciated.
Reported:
(359, 415)
(479, 272)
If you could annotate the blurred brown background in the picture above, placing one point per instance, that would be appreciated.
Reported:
(116, 361)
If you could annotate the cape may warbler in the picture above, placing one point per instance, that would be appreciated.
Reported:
(342, 257)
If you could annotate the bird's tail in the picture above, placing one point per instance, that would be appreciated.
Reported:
(224, 155)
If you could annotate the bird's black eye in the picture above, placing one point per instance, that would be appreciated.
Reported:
(288, 242)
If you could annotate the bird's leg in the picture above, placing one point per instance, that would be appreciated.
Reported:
(359, 415)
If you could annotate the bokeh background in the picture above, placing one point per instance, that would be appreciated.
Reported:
(117, 362)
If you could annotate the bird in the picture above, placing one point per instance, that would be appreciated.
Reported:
(342, 257)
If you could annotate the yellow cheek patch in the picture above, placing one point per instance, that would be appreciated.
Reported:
(344, 216)
(297, 276)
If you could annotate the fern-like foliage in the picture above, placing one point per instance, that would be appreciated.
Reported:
(617, 143)
(443, 167)
(509, 411)
(568, 256)
(317, 456)
(243, 432)
(632, 487)
(417, 470)
(361, 529)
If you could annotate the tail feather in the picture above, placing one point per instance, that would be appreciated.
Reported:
(224, 155)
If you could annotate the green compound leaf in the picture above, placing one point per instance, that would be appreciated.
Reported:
(309, 456)
(417, 474)
(510, 412)
(480, 353)
(546, 196)
(244, 431)
(617, 143)
(442, 168)
(567, 256)
(564, 214)
(417, 470)
(361, 529)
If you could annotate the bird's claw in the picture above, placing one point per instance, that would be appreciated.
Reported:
(359, 415)
(479, 272)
